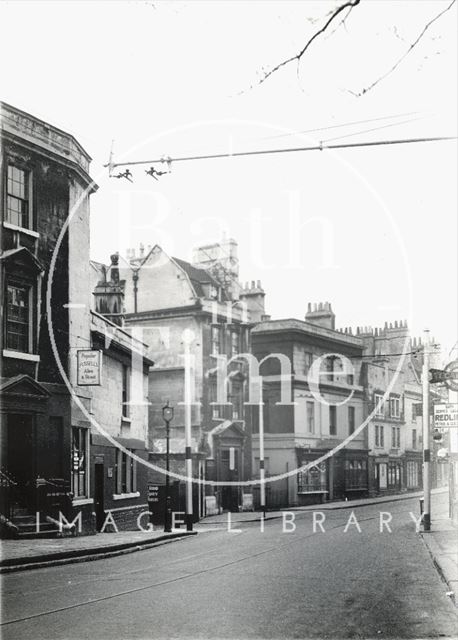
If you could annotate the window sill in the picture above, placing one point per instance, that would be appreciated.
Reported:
(19, 355)
(126, 496)
(15, 227)
(78, 502)
(126, 420)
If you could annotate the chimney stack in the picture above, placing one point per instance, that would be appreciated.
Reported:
(322, 315)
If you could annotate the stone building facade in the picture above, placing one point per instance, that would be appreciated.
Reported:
(44, 175)
(55, 461)
(164, 298)
(327, 406)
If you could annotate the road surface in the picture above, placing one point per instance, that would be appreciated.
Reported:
(247, 584)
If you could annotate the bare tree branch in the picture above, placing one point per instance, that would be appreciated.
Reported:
(405, 54)
(347, 5)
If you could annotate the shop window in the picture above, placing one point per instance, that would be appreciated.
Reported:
(19, 318)
(126, 473)
(313, 479)
(79, 462)
(355, 474)
(412, 474)
(394, 475)
(333, 420)
(18, 210)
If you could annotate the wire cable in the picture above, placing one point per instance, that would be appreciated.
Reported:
(262, 152)
(338, 126)
(384, 126)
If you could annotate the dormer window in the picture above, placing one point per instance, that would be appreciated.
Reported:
(18, 209)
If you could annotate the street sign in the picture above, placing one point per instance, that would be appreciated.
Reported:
(89, 367)
(452, 370)
(446, 415)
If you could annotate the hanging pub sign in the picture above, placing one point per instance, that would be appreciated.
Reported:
(89, 367)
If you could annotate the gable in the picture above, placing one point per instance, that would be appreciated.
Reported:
(161, 284)
(23, 386)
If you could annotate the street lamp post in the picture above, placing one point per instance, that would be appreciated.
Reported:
(167, 414)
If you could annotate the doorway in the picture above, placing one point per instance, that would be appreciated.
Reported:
(20, 461)
(229, 471)
(99, 478)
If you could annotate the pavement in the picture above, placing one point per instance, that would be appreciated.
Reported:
(442, 544)
(342, 582)
(253, 516)
(19, 555)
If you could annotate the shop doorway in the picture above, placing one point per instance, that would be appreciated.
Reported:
(99, 478)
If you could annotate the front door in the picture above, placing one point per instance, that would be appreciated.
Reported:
(99, 495)
(229, 471)
(20, 460)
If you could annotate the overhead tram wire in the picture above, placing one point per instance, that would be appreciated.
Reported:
(338, 126)
(260, 152)
(383, 126)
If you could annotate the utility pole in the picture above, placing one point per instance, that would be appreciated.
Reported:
(187, 339)
(426, 438)
(167, 414)
(262, 472)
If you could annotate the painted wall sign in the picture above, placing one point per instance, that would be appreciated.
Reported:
(446, 415)
(89, 366)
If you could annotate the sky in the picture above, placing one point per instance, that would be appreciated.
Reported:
(371, 230)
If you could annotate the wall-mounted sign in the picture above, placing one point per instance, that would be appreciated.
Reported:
(153, 493)
(446, 415)
(89, 367)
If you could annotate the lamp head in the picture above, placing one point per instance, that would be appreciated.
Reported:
(167, 413)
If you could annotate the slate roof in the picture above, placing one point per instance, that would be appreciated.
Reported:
(197, 276)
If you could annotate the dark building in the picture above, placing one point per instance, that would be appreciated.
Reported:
(44, 174)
